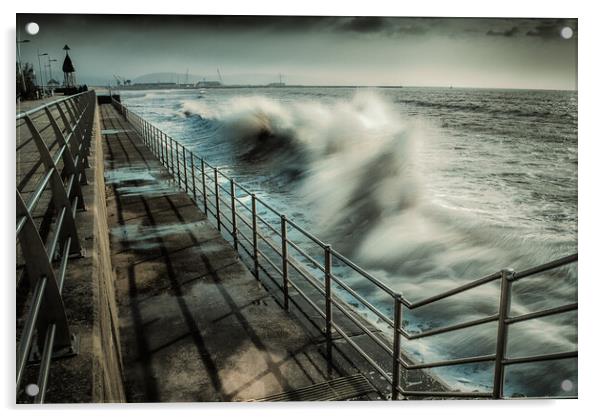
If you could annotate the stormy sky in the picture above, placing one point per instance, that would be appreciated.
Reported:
(469, 52)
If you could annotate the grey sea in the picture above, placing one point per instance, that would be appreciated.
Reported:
(426, 188)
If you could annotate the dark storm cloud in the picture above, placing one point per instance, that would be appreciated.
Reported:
(550, 28)
(360, 26)
(388, 26)
(364, 24)
(507, 33)
(234, 23)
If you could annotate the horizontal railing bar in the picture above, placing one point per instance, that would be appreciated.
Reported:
(209, 210)
(244, 205)
(446, 394)
(540, 357)
(454, 362)
(42, 107)
(456, 290)
(362, 300)
(247, 239)
(209, 193)
(361, 326)
(307, 299)
(244, 247)
(222, 218)
(45, 363)
(225, 203)
(63, 267)
(306, 233)
(243, 219)
(267, 206)
(364, 273)
(268, 241)
(223, 188)
(307, 256)
(362, 353)
(270, 227)
(21, 223)
(28, 328)
(57, 234)
(243, 188)
(33, 200)
(542, 313)
(266, 258)
(310, 279)
(449, 328)
(544, 267)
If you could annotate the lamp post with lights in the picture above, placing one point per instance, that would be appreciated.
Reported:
(19, 63)
(41, 73)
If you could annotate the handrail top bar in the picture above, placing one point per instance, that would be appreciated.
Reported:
(46, 105)
(515, 276)
(368, 276)
(547, 266)
(308, 234)
(456, 290)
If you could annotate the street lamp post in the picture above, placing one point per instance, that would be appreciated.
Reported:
(49, 65)
(19, 42)
(41, 73)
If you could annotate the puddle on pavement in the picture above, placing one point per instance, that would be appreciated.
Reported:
(139, 181)
(144, 237)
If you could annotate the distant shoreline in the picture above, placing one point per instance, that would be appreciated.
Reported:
(255, 86)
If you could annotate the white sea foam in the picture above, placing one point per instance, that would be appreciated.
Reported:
(366, 184)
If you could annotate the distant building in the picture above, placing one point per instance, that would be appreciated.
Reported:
(157, 85)
(208, 84)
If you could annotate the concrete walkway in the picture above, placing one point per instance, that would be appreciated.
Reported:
(195, 325)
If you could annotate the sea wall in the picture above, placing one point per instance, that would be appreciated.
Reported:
(107, 378)
(95, 373)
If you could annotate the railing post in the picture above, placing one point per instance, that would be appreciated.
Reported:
(193, 173)
(173, 169)
(151, 138)
(254, 223)
(502, 333)
(216, 190)
(396, 347)
(204, 185)
(178, 165)
(233, 206)
(284, 260)
(185, 169)
(163, 148)
(154, 140)
(328, 300)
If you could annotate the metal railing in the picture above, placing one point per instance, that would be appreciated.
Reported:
(272, 244)
(53, 143)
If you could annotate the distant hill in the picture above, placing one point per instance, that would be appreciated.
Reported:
(170, 78)
(236, 78)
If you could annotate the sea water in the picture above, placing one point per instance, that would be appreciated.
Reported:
(426, 188)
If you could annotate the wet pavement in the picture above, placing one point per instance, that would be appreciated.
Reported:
(194, 324)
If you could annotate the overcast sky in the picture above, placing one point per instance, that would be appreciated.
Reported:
(500, 53)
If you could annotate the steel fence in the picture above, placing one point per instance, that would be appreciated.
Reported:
(272, 243)
(53, 143)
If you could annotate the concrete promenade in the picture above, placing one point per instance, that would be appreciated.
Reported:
(194, 324)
